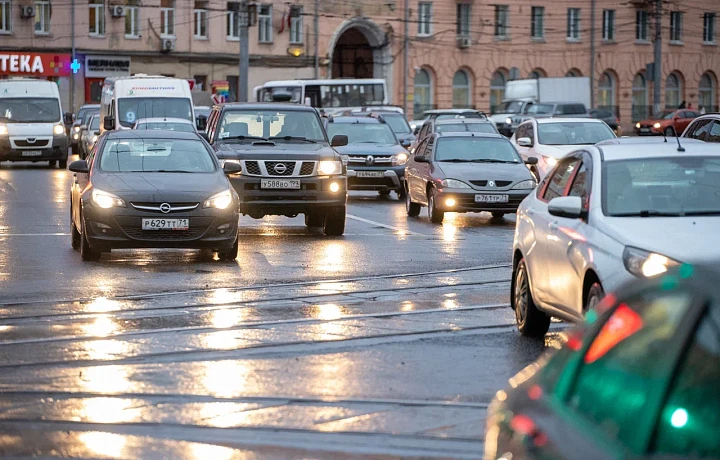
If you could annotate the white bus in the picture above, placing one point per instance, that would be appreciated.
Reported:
(328, 95)
(125, 100)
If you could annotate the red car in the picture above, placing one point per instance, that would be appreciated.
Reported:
(667, 122)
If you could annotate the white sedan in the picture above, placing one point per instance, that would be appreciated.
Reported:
(610, 214)
(550, 139)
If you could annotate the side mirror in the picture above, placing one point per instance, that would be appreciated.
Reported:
(525, 142)
(230, 167)
(339, 140)
(531, 161)
(201, 123)
(83, 127)
(405, 143)
(109, 123)
(420, 159)
(68, 118)
(204, 135)
(416, 130)
(570, 207)
(79, 166)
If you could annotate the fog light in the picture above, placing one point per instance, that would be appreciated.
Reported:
(450, 202)
(334, 187)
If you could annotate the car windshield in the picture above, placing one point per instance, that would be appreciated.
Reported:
(540, 109)
(267, 124)
(88, 116)
(662, 187)
(573, 133)
(509, 107)
(397, 123)
(82, 113)
(364, 133)
(475, 149)
(167, 125)
(466, 127)
(131, 109)
(156, 155)
(95, 123)
(666, 115)
(29, 110)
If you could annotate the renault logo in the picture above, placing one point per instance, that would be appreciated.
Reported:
(165, 208)
(491, 183)
(280, 168)
(370, 160)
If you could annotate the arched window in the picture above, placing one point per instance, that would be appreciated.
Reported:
(461, 90)
(423, 96)
(673, 91)
(573, 73)
(639, 98)
(606, 91)
(497, 89)
(706, 93)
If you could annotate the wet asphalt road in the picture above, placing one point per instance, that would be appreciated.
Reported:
(388, 342)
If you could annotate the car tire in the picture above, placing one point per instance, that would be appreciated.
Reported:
(594, 296)
(498, 215)
(401, 192)
(531, 321)
(74, 233)
(384, 192)
(436, 215)
(62, 164)
(313, 220)
(669, 132)
(412, 209)
(231, 254)
(51, 164)
(334, 222)
(87, 253)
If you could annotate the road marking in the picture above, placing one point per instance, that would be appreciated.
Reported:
(379, 224)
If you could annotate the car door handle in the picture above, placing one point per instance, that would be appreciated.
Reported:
(530, 212)
(553, 226)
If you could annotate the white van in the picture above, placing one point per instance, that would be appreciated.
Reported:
(127, 99)
(31, 122)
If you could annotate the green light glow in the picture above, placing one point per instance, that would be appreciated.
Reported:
(679, 418)
(686, 271)
(591, 316)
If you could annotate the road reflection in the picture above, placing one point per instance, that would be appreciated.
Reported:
(104, 379)
(106, 444)
(224, 379)
(206, 451)
(332, 259)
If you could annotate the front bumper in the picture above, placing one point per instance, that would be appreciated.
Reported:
(648, 131)
(121, 228)
(465, 200)
(392, 178)
(57, 151)
(314, 196)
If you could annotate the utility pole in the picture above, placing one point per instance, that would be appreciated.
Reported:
(243, 23)
(72, 55)
(406, 42)
(657, 66)
(317, 39)
(592, 53)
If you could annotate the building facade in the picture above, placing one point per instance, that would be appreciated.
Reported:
(459, 52)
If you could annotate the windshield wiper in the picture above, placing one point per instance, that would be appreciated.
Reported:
(488, 160)
(293, 138)
(648, 213)
(168, 171)
(241, 138)
(455, 160)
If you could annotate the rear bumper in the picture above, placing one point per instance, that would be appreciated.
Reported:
(58, 151)
(392, 178)
(465, 200)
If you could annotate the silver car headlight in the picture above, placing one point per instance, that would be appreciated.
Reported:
(645, 264)
(508, 121)
(76, 129)
(525, 185)
(58, 130)
(3, 130)
(454, 183)
(219, 201)
(328, 168)
(107, 200)
(399, 159)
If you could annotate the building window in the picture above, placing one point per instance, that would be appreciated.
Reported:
(573, 23)
(573, 73)
(424, 18)
(97, 17)
(606, 92)
(463, 19)
(608, 31)
(296, 26)
(200, 21)
(537, 73)
(42, 18)
(5, 16)
(502, 21)
(676, 23)
(423, 97)
(537, 22)
(265, 24)
(497, 89)
(232, 32)
(673, 90)
(132, 19)
(167, 18)
(639, 98)
(706, 93)
(641, 25)
(709, 28)
(200, 82)
(461, 90)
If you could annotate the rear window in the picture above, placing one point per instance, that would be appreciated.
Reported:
(466, 127)
(363, 133)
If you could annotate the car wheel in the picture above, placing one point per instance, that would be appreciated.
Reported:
(498, 215)
(401, 192)
(62, 164)
(334, 222)
(51, 163)
(231, 254)
(669, 132)
(384, 192)
(436, 215)
(595, 295)
(413, 209)
(531, 321)
(86, 252)
(313, 220)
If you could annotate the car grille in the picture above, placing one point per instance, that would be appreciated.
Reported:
(498, 183)
(252, 168)
(155, 207)
(289, 168)
(307, 168)
(138, 233)
(25, 143)
(377, 159)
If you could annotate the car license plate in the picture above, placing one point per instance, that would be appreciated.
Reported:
(491, 199)
(165, 224)
(370, 174)
(644, 130)
(32, 153)
(292, 184)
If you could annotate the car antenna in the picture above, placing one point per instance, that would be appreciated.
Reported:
(680, 147)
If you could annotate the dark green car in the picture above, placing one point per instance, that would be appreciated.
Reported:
(640, 379)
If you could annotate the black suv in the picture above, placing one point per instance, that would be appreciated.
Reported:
(288, 165)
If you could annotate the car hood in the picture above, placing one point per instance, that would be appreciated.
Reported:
(282, 150)
(30, 129)
(154, 187)
(371, 149)
(686, 239)
(484, 171)
(557, 151)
